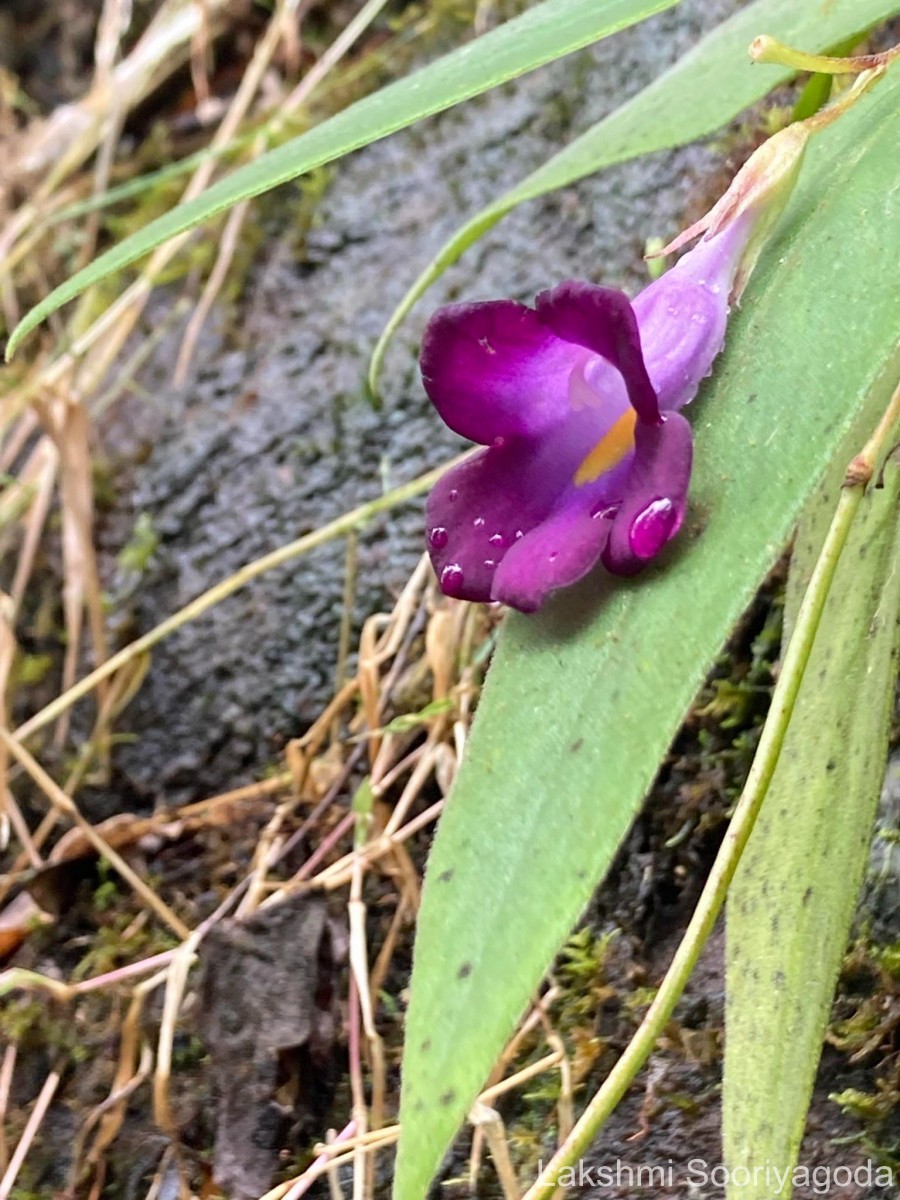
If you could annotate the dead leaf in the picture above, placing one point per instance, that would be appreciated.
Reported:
(265, 993)
(18, 920)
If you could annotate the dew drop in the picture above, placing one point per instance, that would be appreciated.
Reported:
(519, 534)
(553, 556)
(490, 563)
(478, 522)
(452, 580)
(605, 512)
(652, 528)
(453, 494)
(438, 537)
(497, 539)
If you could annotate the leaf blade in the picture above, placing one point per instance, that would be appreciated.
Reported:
(543, 33)
(512, 867)
(791, 906)
(699, 94)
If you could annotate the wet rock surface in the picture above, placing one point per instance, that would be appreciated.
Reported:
(273, 436)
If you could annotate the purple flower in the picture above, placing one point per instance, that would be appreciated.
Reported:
(576, 401)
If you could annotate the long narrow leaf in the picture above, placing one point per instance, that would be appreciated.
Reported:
(703, 91)
(584, 698)
(791, 906)
(542, 34)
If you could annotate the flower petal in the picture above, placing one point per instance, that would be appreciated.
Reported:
(602, 319)
(683, 314)
(558, 552)
(493, 370)
(683, 327)
(479, 509)
(655, 495)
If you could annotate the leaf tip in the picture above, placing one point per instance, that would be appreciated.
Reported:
(29, 322)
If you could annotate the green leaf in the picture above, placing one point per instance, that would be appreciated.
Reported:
(583, 699)
(703, 91)
(542, 34)
(791, 906)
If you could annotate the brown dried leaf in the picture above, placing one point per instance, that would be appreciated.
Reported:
(263, 979)
(18, 920)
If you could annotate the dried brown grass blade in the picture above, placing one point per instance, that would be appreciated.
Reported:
(67, 806)
(67, 423)
(33, 1124)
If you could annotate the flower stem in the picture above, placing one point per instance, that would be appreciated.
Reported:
(765, 49)
(831, 112)
(765, 761)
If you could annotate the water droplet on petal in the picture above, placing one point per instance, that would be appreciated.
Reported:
(519, 534)
(652, 528)
(453, 494)
(605, 512)
(497, 539)
(553, 556)
(490, 563)
(438, 537)
(478, 522)
(452, 580)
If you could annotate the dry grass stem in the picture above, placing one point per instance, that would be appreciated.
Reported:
(33, 1124)
(7, 1069)
(176, 976)
(340, 873)
(489, 1121)
(67, 807)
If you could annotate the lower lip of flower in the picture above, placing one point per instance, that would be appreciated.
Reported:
(652, 528)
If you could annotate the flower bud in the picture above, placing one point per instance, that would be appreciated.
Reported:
(761, 188)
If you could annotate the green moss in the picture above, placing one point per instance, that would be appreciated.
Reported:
(866, 1106)
(30, 669)
(36, 1022)
(137, 552)
(116, 941)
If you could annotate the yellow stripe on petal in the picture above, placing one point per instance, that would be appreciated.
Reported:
(611, 449)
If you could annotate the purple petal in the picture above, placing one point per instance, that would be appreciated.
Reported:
(602, 320)
(481, 508)
(493, 370)
(683, 314)
(683, 328)
(485, 506)
(655, 495)
(558, 552)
